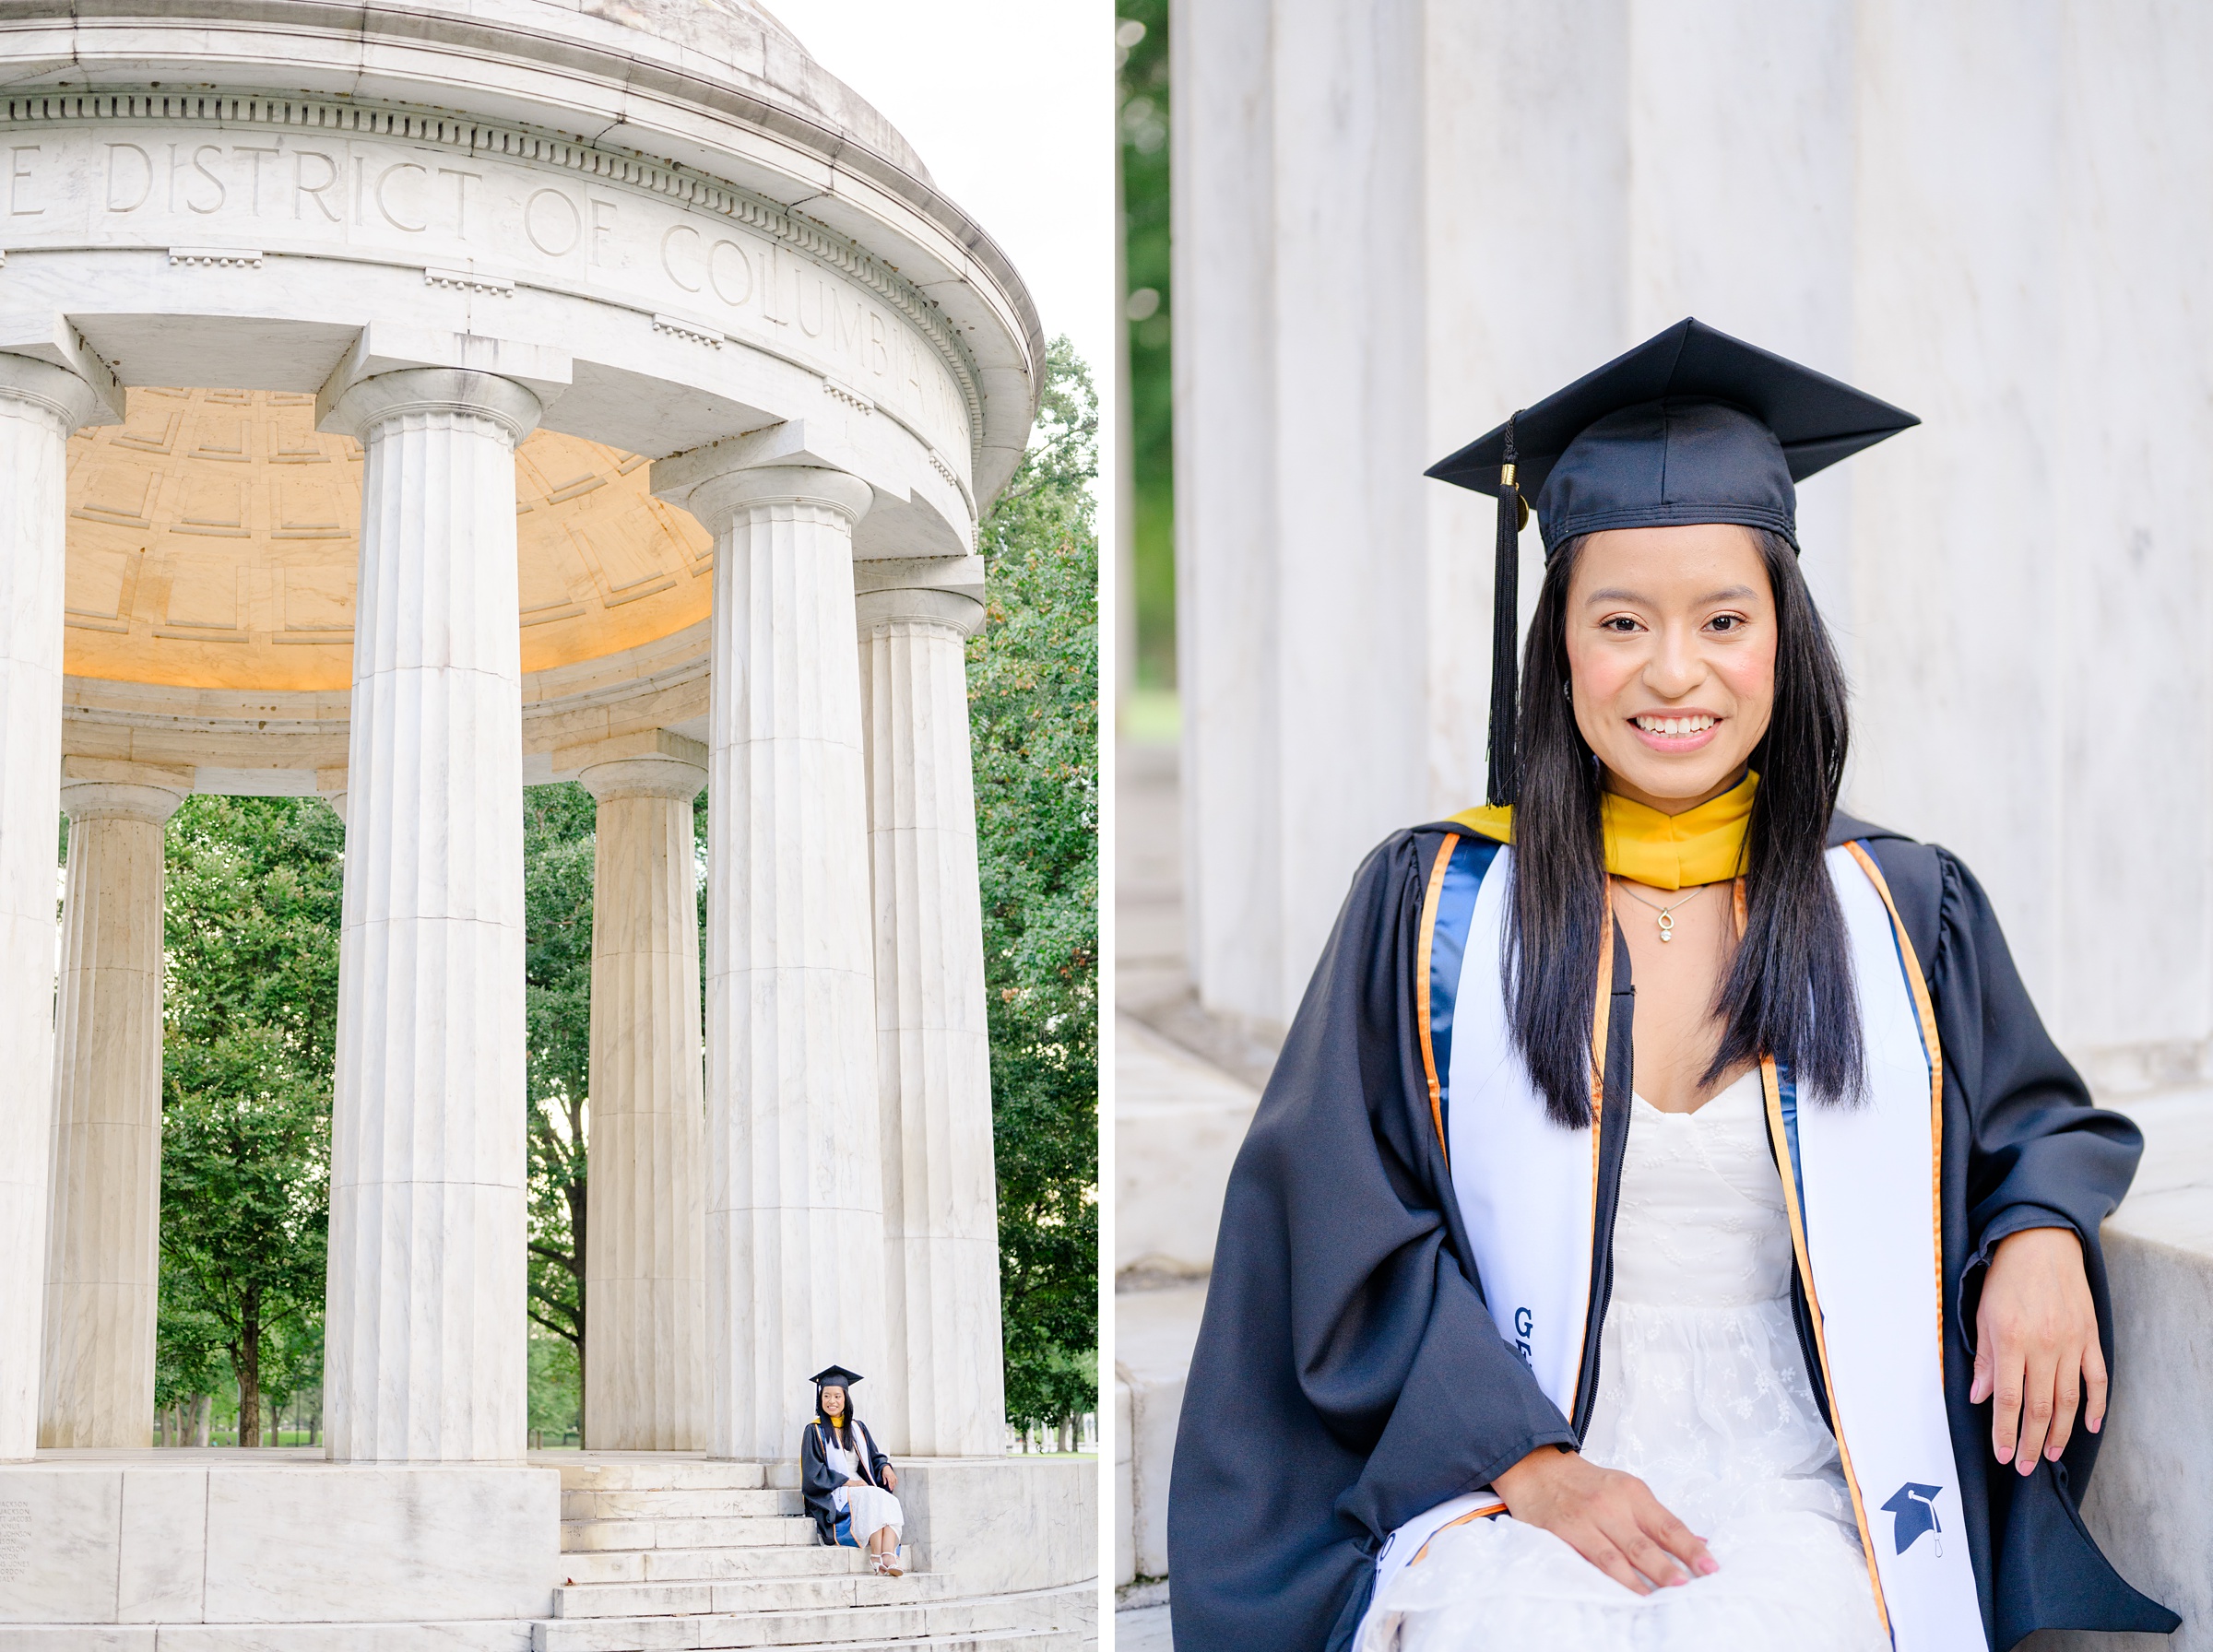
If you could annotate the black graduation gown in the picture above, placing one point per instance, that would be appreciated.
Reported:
(817, 1482)
(1348, 1375)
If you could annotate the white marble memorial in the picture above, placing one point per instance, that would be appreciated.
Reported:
(375, 380)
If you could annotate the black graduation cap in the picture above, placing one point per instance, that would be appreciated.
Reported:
(1690, 426)
(835, 1377)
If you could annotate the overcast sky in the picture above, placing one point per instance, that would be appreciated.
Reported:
(1011, 105)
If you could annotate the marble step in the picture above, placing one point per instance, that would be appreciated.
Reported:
(657, 1472)
(686, 1565)
(1010, 1640)
(476, 1635)
(743, 1594)
(742, 1531)
(629, 1503)
(1036, 1612)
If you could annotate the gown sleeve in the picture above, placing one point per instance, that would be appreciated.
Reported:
(1347, 1374)
(878, 1462)
(817, 1484)
(2042, 1154)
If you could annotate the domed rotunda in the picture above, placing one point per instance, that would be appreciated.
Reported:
(405, 402)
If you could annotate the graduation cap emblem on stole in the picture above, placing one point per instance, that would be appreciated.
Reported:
(1915, 1507)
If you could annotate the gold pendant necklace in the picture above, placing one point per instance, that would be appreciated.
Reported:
(1668, 913)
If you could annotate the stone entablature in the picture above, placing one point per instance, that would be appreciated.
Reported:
(230, 181)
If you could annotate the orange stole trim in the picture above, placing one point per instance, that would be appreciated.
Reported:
(1602, 1015)
(1488, 1511)
(1918, 985)
(1770, 1083)
(1428, 934)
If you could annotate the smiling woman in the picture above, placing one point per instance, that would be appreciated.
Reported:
(1577, 1274)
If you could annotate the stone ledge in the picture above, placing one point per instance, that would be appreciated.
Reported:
(1178, 1123)
(1003, 1525)
(2148, 1503)
(1155, 1333)
(115, 1538)
(479, 1636)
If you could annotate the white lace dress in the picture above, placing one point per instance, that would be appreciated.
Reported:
(1702, 1394)
(872, 1507)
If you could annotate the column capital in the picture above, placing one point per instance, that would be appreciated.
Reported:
(357, 408)
(120, 800)
(59, 391)
(917, 606)
(643, 777)
(718, 481)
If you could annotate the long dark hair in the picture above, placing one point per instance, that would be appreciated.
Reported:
(1789, 989)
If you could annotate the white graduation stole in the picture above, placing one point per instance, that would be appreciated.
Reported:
(1864, 1198)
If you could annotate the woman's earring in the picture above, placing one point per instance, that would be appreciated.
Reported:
(1568, 693)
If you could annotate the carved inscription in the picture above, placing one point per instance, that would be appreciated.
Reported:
(478, 217)
(15, 1540)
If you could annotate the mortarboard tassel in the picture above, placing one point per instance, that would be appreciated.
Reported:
(1505, 776)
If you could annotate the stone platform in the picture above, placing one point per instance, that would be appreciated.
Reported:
(182, 1536)
(183, 1551)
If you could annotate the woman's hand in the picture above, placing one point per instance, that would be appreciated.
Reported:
(2036, 1345)
(1611, 1519)
(891, 1478)
(855, 1481)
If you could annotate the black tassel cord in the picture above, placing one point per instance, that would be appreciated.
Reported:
(1505, 776)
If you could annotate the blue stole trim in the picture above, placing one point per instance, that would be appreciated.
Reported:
(1472, 858)
(1786, 1092)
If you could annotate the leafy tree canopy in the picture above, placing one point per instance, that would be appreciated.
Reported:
(1034, 706)
(250, 1032)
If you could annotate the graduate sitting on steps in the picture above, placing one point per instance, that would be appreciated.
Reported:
(847, 1480)
(1669, 1227)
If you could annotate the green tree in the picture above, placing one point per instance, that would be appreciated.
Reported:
(1034, 706)
(249, 1038)
(556, 1386)
(189, 1359)
(292, 1365)
(559, 836)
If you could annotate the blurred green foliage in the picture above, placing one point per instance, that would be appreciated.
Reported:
(1142, 41)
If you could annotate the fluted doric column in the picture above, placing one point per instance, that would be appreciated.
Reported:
(645, 1345)
(104, 1232)
(423, 1328)
(795, 1211)
(40, 405)
(933, 1045)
